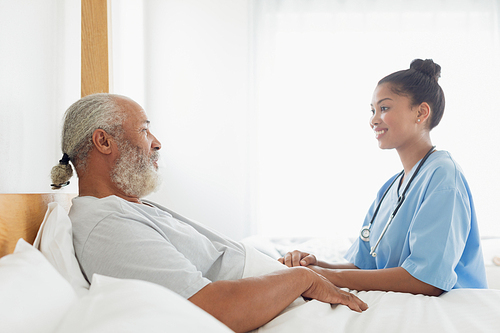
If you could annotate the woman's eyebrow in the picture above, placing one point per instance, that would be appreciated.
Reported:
(384, 99)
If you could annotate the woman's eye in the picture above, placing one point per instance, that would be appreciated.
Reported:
(372, 111)
(384, 108)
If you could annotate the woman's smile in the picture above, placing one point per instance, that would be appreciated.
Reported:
(379, 132)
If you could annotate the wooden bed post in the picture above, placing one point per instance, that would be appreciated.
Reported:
(95, 60)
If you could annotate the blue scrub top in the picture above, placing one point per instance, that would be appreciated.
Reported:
(434, 235)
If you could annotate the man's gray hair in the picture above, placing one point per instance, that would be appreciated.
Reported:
(97, 111)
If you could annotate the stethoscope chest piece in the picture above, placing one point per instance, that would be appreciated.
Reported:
(365, 234)
(365, 231)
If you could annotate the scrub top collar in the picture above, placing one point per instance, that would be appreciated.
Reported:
(402, 185)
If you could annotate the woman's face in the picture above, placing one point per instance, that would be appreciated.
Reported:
(393, 119)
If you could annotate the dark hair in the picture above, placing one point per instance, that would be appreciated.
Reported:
(420, 84)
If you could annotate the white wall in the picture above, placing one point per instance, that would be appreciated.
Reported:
(194, 54)
(39, 78)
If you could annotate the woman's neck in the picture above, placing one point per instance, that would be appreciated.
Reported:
(410, 155)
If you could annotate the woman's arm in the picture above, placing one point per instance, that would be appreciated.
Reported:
(389, 279)
(347, 275)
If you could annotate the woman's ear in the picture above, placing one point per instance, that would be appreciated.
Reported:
(102, 141)
(423, 112)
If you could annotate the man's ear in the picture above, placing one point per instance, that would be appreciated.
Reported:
(423, 112)
(102, 141)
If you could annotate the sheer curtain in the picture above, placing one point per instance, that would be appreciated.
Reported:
(262, 107)
(316, 65)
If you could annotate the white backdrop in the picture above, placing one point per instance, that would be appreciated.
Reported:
(262, 107)
(39, 79)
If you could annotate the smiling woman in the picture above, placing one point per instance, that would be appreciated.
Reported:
(429, 202)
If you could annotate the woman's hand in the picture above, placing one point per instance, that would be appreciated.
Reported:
(298, 258)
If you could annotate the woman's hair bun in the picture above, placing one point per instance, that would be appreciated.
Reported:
(427, 67)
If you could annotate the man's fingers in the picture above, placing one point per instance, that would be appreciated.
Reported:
(352, 301)
(325, 291)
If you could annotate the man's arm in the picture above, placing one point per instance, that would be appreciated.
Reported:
(249, 303)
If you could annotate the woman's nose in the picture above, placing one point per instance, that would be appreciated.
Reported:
(374, 120)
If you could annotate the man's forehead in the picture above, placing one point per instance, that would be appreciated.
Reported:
(133, 111)
(137, 118)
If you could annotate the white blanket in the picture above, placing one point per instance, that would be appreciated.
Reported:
(460, 310)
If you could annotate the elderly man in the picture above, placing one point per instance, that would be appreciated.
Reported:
(107, 139)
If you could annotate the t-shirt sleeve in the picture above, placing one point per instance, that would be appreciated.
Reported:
(437, 237)
(127, 248)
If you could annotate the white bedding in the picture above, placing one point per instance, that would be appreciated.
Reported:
(36, 298)
(464, 310)
(46, 293)
(461, 310)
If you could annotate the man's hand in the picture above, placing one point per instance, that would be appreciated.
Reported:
(323, 290)
(246, 304)
(298, 258)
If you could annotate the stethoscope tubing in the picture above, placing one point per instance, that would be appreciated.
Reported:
(365, 231)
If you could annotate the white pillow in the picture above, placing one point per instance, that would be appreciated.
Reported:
(122, 305)
(55, 241)
(34, 296)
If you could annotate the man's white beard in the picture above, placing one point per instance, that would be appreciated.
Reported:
(134, 172)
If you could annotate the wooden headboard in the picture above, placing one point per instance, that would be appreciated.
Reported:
(22, 214)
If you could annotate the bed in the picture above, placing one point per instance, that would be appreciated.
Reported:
(43, 290)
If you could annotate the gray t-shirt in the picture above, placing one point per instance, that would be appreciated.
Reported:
(122, 239)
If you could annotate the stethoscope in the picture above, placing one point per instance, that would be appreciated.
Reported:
(365, 231)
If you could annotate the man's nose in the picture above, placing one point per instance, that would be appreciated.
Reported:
(155, 144)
